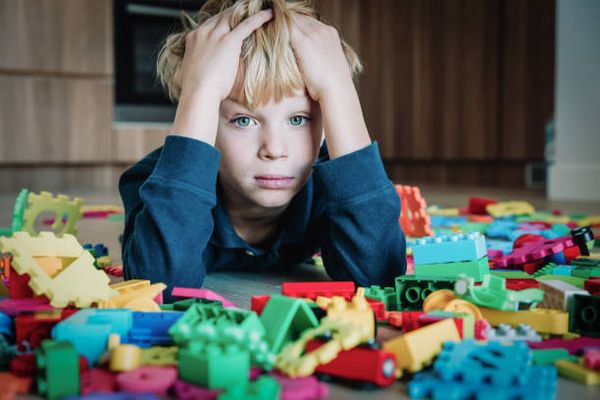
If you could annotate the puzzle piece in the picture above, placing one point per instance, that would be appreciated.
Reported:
(413, 218)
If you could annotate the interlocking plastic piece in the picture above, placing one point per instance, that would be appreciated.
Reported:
(307, 388)
(213, 365)
(578, 372)
(386, 295)
(541, 319)
(521, 283)
(493, 294)
(404, 319)
(414, 220)
(181, 292)
(449, 248)
(67, 212)
(583, 237)
(97, 380)
(79, 282)
(360, 364)
(571, 280)
(31, 329)
(89, 330)
(258, 303)
(157, 380)
(357, 311)
(18, 213)
(476, 269)
(311, 290)
(159, 356)
(584, 315)
(534, 251)
(411, 291)
(477, 205)
(58, 369)
(152, 328)
(285, 318)
(573, 346)
(24, 365)
(13, 385)
(415, 350)
(264, 388)
(591, 359)
(125, 357)
(506, 333)
(14, 307)
(508, 208)
(187, 391)
(558, 295)
(135, 294)
(550, 356)
(445, 300)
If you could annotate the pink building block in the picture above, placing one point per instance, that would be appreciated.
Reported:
(97, 380)
(157, 380)
(308, 388)
(187, 391)
(14, 307)
(193, 293)
(591, 359)
(573, 346)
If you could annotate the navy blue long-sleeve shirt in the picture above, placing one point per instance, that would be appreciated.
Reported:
(177, 228)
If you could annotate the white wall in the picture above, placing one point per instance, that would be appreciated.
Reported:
(575, 174)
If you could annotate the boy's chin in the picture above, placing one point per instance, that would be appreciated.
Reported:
(273, 199)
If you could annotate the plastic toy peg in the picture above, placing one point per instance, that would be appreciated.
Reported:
(13, 385)
(415, 350)
(508, 208)
(186, 293)
(493, 294)
(584, 315)
(477, 205)
(414, 220)
(125, 357)
(449, 248)
(67, 286)
(258, 303)
(157, 380)
(578, 372)
(66, 211)
(97, 380)
(311, 290)
(58, 369)
(188, 391)
(541, 319)
(558, 295)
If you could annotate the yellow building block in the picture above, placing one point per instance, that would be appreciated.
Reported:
(357, 311)
(541, 319)
(60, 205)
(506, 208)
(416, 349)
(137, 295)
(578, 372)
(78, 283)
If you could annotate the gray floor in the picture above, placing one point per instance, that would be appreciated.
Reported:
(239, 286)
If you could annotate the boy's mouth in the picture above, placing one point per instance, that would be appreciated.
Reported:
(274, 181)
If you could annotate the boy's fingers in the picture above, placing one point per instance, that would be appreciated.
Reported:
(250, 24)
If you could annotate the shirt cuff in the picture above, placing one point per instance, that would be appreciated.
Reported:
(351, 176)
(188, 162)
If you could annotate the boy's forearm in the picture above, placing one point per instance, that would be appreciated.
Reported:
(197, 116)
(345, 127)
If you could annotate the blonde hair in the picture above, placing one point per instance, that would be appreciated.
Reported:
(269, 66)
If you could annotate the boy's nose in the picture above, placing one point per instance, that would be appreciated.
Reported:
(272, 145)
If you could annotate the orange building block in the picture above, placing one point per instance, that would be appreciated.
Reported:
(413, 218)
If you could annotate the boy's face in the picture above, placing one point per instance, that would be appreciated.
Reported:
(267, 154)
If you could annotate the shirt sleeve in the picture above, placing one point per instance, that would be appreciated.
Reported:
(168, 213)
(361, 235)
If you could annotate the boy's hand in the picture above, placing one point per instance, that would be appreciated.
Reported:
(321, 59)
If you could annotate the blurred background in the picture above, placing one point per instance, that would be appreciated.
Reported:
(462, 95)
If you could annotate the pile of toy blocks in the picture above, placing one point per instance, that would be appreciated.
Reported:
(502, 299)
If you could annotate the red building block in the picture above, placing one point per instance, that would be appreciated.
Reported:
(24, 365)
(592, 285)
(521, 283)
(407, 320)
(572, 253)
(414, 220)
(477, 205)
(378, 308)
(13, 385)
(258, 303)
(33, 328)
(312, 290)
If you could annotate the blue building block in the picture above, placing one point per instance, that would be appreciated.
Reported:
(152, 328)
(449, 248)
(501, 229)
(6, 326)
(562, 270)
(89, 329)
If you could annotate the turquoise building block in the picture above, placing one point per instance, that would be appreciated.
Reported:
(475, 269)
(449, 248)
(566, 270)
(89, 329)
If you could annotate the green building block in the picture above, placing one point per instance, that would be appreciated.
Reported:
(213, 366)
(386, 295)
(586, 263)
(510, 274)
(411, 290)
(573, 280)
(57, 369)
(480, 227)
(185, 304)
(586, 273)
(285, 318)
(475, 269)
(545, 270)
(550, 356)
(493, 294)
(265, 388)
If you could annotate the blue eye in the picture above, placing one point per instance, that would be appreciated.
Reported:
(298, 120)
(242, 122)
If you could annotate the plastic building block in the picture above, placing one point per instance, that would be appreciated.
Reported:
(18, 285)
(151, 328)
(138, 295)
(541, 319)
(449, 248)
(97, 380)
(13, 307)
(157, 380)
(212, 365)
(493, 294)
(475, 269)
(58, 369)
(13, 385)
(506, 333)
(521, 283)
(357, 311)
(307, 388)
(510, 274)
(188, 391)
(285, 319)
(311, 290)
(125, 357)
(24, 365)
(264, 388)
(378, 309)
(89, 330)
(534, 251)
(31, 329)
(67, 212)
(465, 323)
(477, 205)
(411, 291)
(578, 372)
(115, 396)
(79, 282)
(550, 356)
(414, 220)
(445, 300)
(185, 304)
(508, 208)
(414, 350)
(582, 237)
(591, 359)
(159, 356)
(180, 292)
(573, 346)
(18, 213)
(407, 320)
(258, 303)
(114, 270)
(558, 294)
(584, 316)
(386, 295)
(571, 280)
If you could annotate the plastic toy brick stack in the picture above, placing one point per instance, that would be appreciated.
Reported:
(503, 299)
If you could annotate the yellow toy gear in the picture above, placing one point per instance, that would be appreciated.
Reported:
(61, 205)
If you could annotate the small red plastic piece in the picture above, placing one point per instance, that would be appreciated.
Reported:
(258, 303)
(521, 283)
(24, 365)
(97, 380)
(592, 285)
(33, 328)
(480, 326)
(378, 308)
(572, 253)
(312, 290)
(408, 320)
(477, 205)
(526, 239)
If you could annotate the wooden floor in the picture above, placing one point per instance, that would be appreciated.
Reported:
(240, 286)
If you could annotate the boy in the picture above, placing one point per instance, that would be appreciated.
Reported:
(245, 181)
